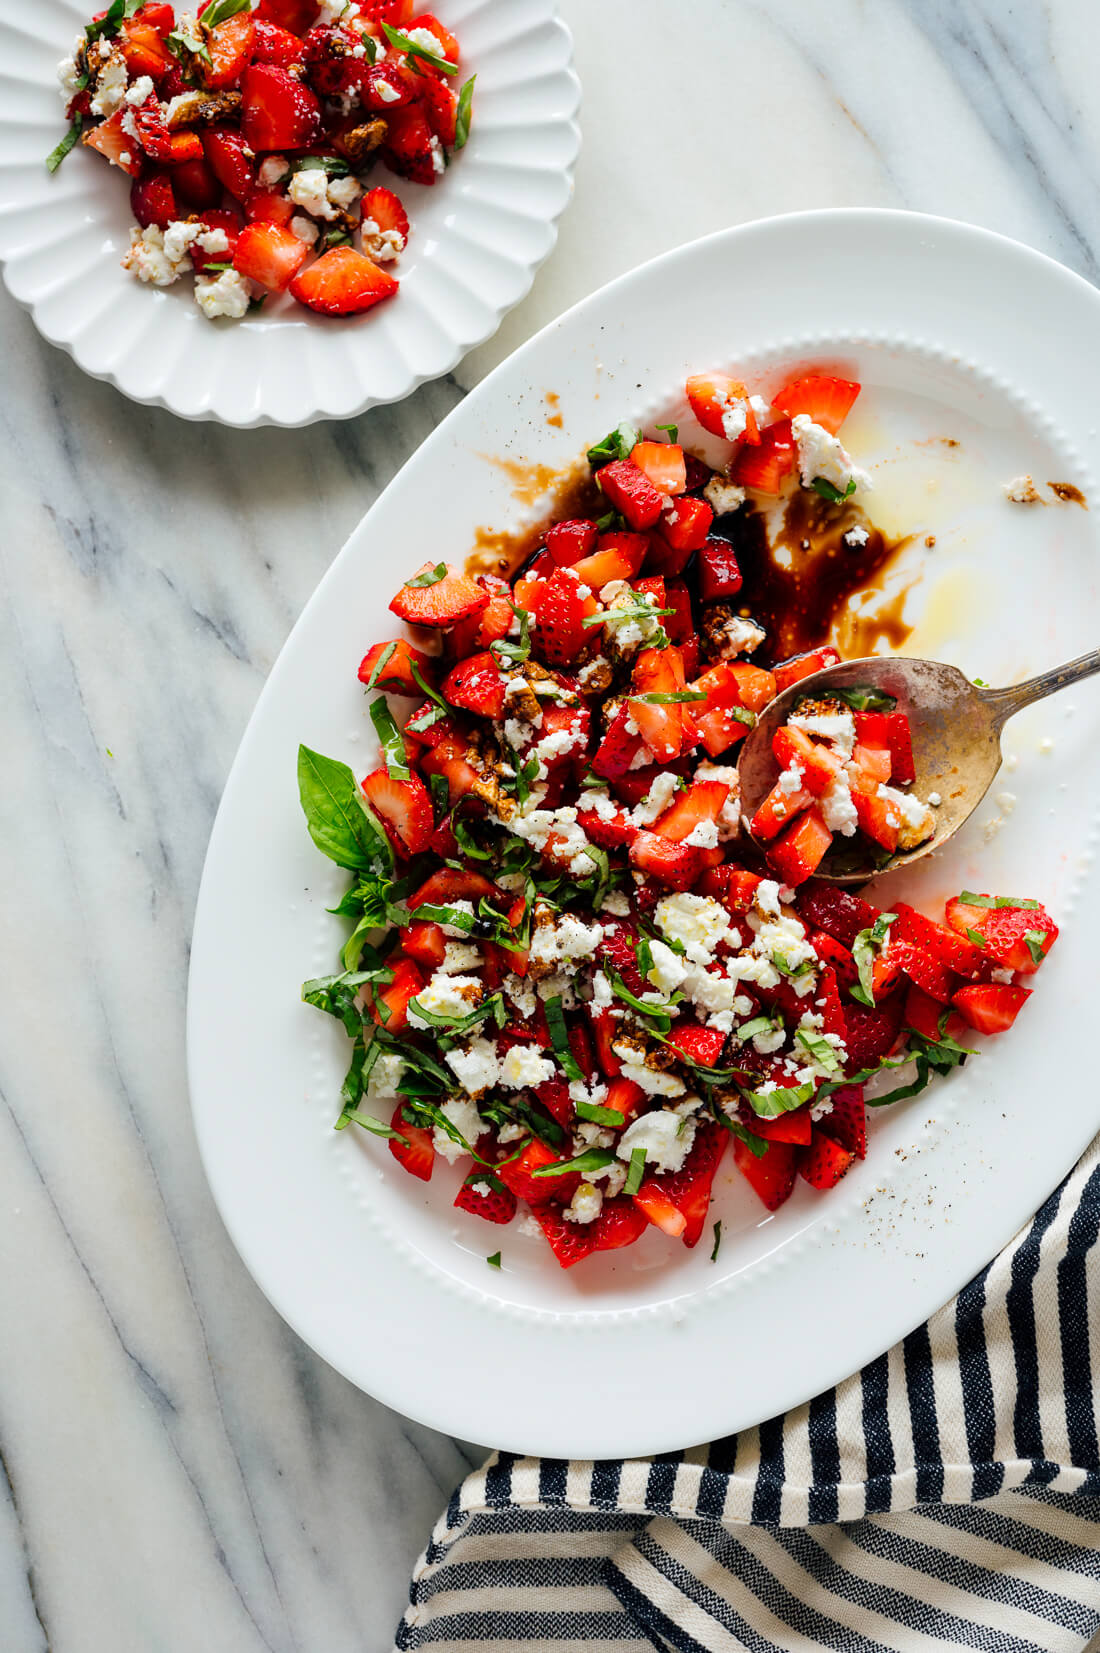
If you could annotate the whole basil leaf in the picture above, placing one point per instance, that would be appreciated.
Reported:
(338, 820)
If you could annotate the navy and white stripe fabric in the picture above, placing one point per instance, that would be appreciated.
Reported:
(947, 1496)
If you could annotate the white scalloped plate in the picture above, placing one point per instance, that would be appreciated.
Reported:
(655, 1347)
(477, 238)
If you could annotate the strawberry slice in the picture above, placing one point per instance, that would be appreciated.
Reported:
(778, 811)
(619, 1224)
(277, 112)
(418, 1157)
(847, 1122)
(269, 254)
(732, 886)
(990, 1008)
(440, 105)
(425, 943)
(629, 490)
(795, 1127)
(683, 525)
(839, 914)
(713, 398)
(659, 672)
(824, 1162)
(229, 45)
(451, 884)
(268, 206)
(698, 805)
(570, 1242)
(476, 685)
(820, 766)
(719, 572)
(610, 831)
(605, 1030)
(272, 44)
(873, 762)
(411, 145)
(876, 815)
(448, 45)
(396, 676)
(405, 808)
(677, 866)
(900, 741)
(195, 184)
(228, 159)
(771, 1176)
(825, 400)
(567, 542)
(677, 1201)
(703, 1045)
(519, 1175)
(835, 955)
(1005, 931)
(757, 686)
(441, 602)
(871, 1034)
(664, 465)
(766, 466)
(803, 665)
(924, 1014)
(619, 949)
(496, 1206)
(385, 208)
(388, 87)
(153, 201)
(919, 966)
(390, 1005)
(343, 283)
(115, 144)
(559, 628)
(294, 15)
(801, 849)
(618, 556)
(447, 757)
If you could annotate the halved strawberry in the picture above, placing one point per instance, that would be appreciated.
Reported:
(495, 621)
(836, 911)
(803, 665)
(278, 112)
(919, 966)
(683, 525)
(846, 1123)
(618, 748)
(228, 158)
(496, 1206)
(441, 602)
(153, 201)
(618, 556)
(801, 849)
(116, 146)
(663, 464)
(824, 1162)
(396, 676)
(871, 1034)
(418, 1157)
(559, 628)
(713, 398)
(766, 466)
(425, 943)
(924, 1015)
(772, 1175)
(629, 490)
(567, 542)
(343, 283)
(390, 1004)
(519, 1175)
(677, 866)
(411, 145)
(697, 805)
(385, 209)
(825, 400)
(990, 1008)
(1005, 931)
(453, 884)
(269, 254)
(570, 1242)
(719, 572)
(677, 1201)
(619, 1224)
(229, 46)
(702, 1045)
(476, 685)
(272, 44)
(440, 105)
(405, 808)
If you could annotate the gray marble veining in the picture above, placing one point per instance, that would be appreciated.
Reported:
(177, 1471)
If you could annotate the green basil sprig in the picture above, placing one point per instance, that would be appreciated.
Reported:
(339, 820)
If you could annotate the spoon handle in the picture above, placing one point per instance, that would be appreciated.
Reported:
(1005, 703)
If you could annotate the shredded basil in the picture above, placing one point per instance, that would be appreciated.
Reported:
(1033, 940)
(559, 1038)
(494, 1260)
(819, 1049)
(369, 1123)
(463, 113)
(600, 1116)
(618, 444)
(769, 1104)
(593, 1159)
(864, 698)
(636, 1172)
(389, 739)
(431, 576)
(673, 432)
(718, 1224)
(221, 11)
(515, 653)
(673, 698)
(976, 937)
(969, 899)
(866, 947)
(402, 43)
(822, 486)
(655, 1013)
(68, 143)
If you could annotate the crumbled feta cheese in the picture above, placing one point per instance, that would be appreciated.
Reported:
(698, 921)
(475, 1065)
(68, 75)
(450, 996)
(613, 1174)
(522, 995)
(703, 835)
(344, 192)
(272, 171)
(668, 970)
(782, 940)
(1004, 977)
(723, 496)
(458, 957)
(710, 992)
(769, 1039)
(935, 800)
(527, 1224)
(585, 1206)
(523, 1066)
(148, 260)
(463, 1115)
(589, 1135)
(385, 1075)
(822, 455)
(738, 635)
(837, 729)
(616, 903)
(304, 228)
(140, 91)
(426, 40)
(838, 808)
(657, 799)
(650, 1080)
(729, 821)
(765, 898)
(226, 294)
(665, 1136)
(563, 938)
(383, 90)
(602, 996)
(791, 779)
(381, 245)
(856, 535)
(337, 11)
(111, 86)
(1022, 491)
(439, 160)
(309, 190)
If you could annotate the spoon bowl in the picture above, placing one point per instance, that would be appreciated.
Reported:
(956, 732)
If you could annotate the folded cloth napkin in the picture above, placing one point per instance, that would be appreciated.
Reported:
(946, 1496)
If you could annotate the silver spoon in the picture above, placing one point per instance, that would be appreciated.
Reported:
(956, 729)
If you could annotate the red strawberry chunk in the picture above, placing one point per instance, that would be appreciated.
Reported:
(834, 910)
(900, 742)
(629, 490)
(230, 47)
(405, 808)
(847, 1121)
(441, 107)
(831, 952)
(272, 44)
(417, 1153)
(442, 603)
(772, 1175)
(611, 830)
(476, 685)
(803, 665)
(712, 396)
(619, 1224)
(559, 628)
(678, 1201)
(278, 112)
(114, 144)
(411, 145)
(570, 1242)
(153, 201)
(386, 210)
(924, 1015)
(719, 572)
(990, 1008)
(824, 1162)
(343, 283)
(703, 1045)
(825, 400)
(801, 849)
(920, 967)
(954, 951)
(568, 542)
(390, 1004)
(766, 466)
(396, 676)
(425, 943)
(484, 1195)
(683, 525)
(1005, 931)
(619, 949)
(618, 556)
(697, 806)
(795, 1127)
(519, 1175)
(228, 159)
(677, 866)
(269, 254)
(663, 463)
(871, 1034)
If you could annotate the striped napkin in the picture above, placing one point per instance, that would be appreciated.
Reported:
(947, 1496)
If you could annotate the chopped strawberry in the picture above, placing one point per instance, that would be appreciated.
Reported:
(825, 400)
(698, 805)
(873, 762)
(871, 1034)
(385, 209)
(560, 630)
(387, 87)
(824, 1162)
(568, 542)
(701, 1045)
(611, 830)
(778, 810)
(496, 1206)
(270, 255)
(229, 45)
(396, 676)
(719, 573)
(116, 145)
(425, 943)
(819, 764)
(683, 526)
(195, 184)
(272, 44)
(448, 45)
(144, 50)
(476, 685)
(605, 1028)
(990, 1008)
(659, 673)
(278, 112)
(756, 686)
(677, 866)
(619, 949)
(451, 884)
(663, 463)
(920, 967)
(1005, 931)
(876, 814)
(441, 107)
(924, 1015)
(803, 665)
(800, 850)
(343, 283)
(721, 404)
(152, 200)
(405, 808)
(766, 466)
(900, 741)
(732, 886)
(677, 1201)
(570, 1242)
(680, 624)
(418, 1157)
(619, 1224)
(629, 490)
(229, 161)
(837, 912)
(519, 1175)
(772, 1175)
(269, 206)
(442, 601)
(292, 15)
(846, 1122)
(618, 556)
(411, 145)
(835, 955)
(390, 1004)
(618, 749)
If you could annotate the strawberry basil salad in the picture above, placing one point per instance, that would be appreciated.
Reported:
(570, 982)
(248, 130)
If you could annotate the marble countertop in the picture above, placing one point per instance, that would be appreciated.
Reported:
(177, 1471)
